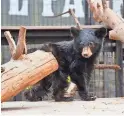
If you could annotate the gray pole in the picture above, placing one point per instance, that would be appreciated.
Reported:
(119, 79)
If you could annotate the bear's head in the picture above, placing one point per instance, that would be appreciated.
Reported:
(88, 41)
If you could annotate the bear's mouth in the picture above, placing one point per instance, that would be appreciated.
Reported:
(86, 52)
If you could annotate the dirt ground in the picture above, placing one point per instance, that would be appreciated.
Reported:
(102, 106)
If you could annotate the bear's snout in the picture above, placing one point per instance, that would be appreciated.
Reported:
(86, 52)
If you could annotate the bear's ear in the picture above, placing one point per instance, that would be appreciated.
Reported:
(75, 31)
(101, 32)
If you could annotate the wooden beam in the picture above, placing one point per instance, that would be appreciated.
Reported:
(47, 27)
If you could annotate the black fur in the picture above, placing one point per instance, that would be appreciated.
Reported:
(71, 62)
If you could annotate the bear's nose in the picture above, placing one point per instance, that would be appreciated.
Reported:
(85, 55)
(86, 52)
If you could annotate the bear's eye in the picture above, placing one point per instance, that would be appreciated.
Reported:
(91, 44)
(82, 44)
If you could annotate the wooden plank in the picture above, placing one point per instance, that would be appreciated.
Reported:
(47, 27)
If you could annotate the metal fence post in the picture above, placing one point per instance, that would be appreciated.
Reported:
(119, 60)
(119, 74)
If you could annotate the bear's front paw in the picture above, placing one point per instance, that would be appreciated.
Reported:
(89, 98)
(86, 97)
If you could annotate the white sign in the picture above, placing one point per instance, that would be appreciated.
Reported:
(117, 6)
(47, 8)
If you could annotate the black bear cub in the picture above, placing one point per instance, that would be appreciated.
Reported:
(76, 59)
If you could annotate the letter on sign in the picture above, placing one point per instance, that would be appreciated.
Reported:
(77, 6)
(47, 8)
(14, 8)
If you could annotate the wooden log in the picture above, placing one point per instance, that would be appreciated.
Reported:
(102, 13)
(26, 71)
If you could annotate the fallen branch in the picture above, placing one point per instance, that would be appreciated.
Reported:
(17, 51)
(71, 12)
(11, 42)
(21, 44)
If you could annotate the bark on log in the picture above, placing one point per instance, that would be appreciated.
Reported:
(102, 13)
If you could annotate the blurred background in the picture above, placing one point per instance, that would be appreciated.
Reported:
(36, 15)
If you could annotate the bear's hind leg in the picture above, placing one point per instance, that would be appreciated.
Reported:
(59, 87)
(38, 91)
